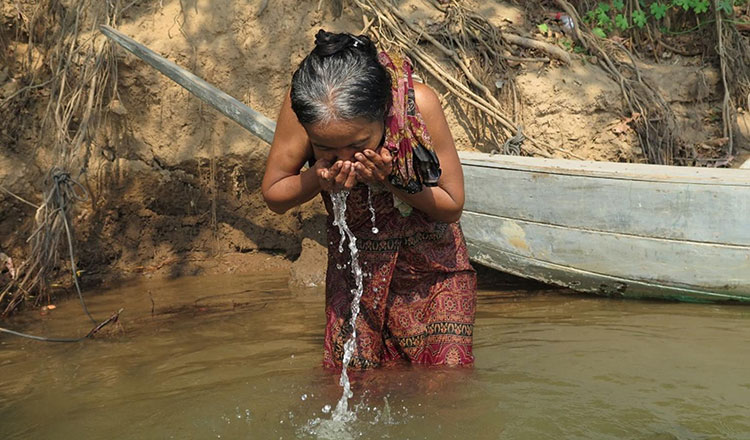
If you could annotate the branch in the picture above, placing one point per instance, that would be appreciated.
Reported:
(552, 50)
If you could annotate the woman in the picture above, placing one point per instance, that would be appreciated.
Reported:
(363, 125)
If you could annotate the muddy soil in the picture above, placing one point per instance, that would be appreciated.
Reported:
(174, 186)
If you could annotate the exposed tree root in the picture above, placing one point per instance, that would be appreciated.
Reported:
(479, 53)
(81, 75)
(656, 127)
(734, 59)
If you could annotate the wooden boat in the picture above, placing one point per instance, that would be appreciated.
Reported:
(608, 228)
(619, 229)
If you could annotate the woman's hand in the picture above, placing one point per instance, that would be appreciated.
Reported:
(337, 177)
(373, 167)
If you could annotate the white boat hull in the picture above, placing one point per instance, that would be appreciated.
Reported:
(609, 228)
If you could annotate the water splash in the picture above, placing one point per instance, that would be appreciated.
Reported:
(372, 210)
(385, 415)
(338, 199)
(371, 421)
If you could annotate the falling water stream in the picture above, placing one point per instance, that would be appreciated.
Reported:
(338, 199)
(336, 426)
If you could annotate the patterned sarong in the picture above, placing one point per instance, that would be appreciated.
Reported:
(419, 288)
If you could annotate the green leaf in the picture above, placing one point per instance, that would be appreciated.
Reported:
(602, 7)
(684, 4)
(659, 10)
(725, 6)
(618, 4)
(602, 19)
(599, 32)
(621, 22)
(543, 28)
(639, 18)
(700, 6)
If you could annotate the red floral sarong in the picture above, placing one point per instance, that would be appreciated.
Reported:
(419, 288)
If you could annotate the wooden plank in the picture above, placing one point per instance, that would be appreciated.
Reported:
(609, 170)
(715, 213)
(248, 118)
(698, 266)
(590, 282)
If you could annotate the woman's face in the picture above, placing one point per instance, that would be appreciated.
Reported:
(340, 140)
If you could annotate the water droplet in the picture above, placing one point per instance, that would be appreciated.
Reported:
(372, 210)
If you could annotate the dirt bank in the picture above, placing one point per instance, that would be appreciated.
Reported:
(174, 186)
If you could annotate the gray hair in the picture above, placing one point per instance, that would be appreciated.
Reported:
(341, 79)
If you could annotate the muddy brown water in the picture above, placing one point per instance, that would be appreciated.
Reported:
(239, 357)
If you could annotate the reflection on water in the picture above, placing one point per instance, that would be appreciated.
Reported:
(239, 357)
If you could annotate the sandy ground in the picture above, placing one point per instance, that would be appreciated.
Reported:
(175, 186)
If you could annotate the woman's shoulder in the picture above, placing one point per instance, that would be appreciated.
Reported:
(426, 98)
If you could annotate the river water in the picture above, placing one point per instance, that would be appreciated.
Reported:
(238, 357)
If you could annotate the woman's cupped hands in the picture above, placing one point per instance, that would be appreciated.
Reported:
(367, 166)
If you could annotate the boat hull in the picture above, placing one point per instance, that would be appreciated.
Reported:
(630, 230)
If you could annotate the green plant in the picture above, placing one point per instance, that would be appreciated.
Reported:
(658, 10)
(639, 18)
(700, 7)
(610, 16)
(599, 32)
(621, 22)
(725, 6)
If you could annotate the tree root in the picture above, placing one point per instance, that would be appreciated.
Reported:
(486, 60)
(82, 78)
(553, 51)
(657, 128)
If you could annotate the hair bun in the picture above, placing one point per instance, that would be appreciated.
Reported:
(327, 43)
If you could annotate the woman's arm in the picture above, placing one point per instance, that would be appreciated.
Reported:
(444, 202)
(283, 185)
